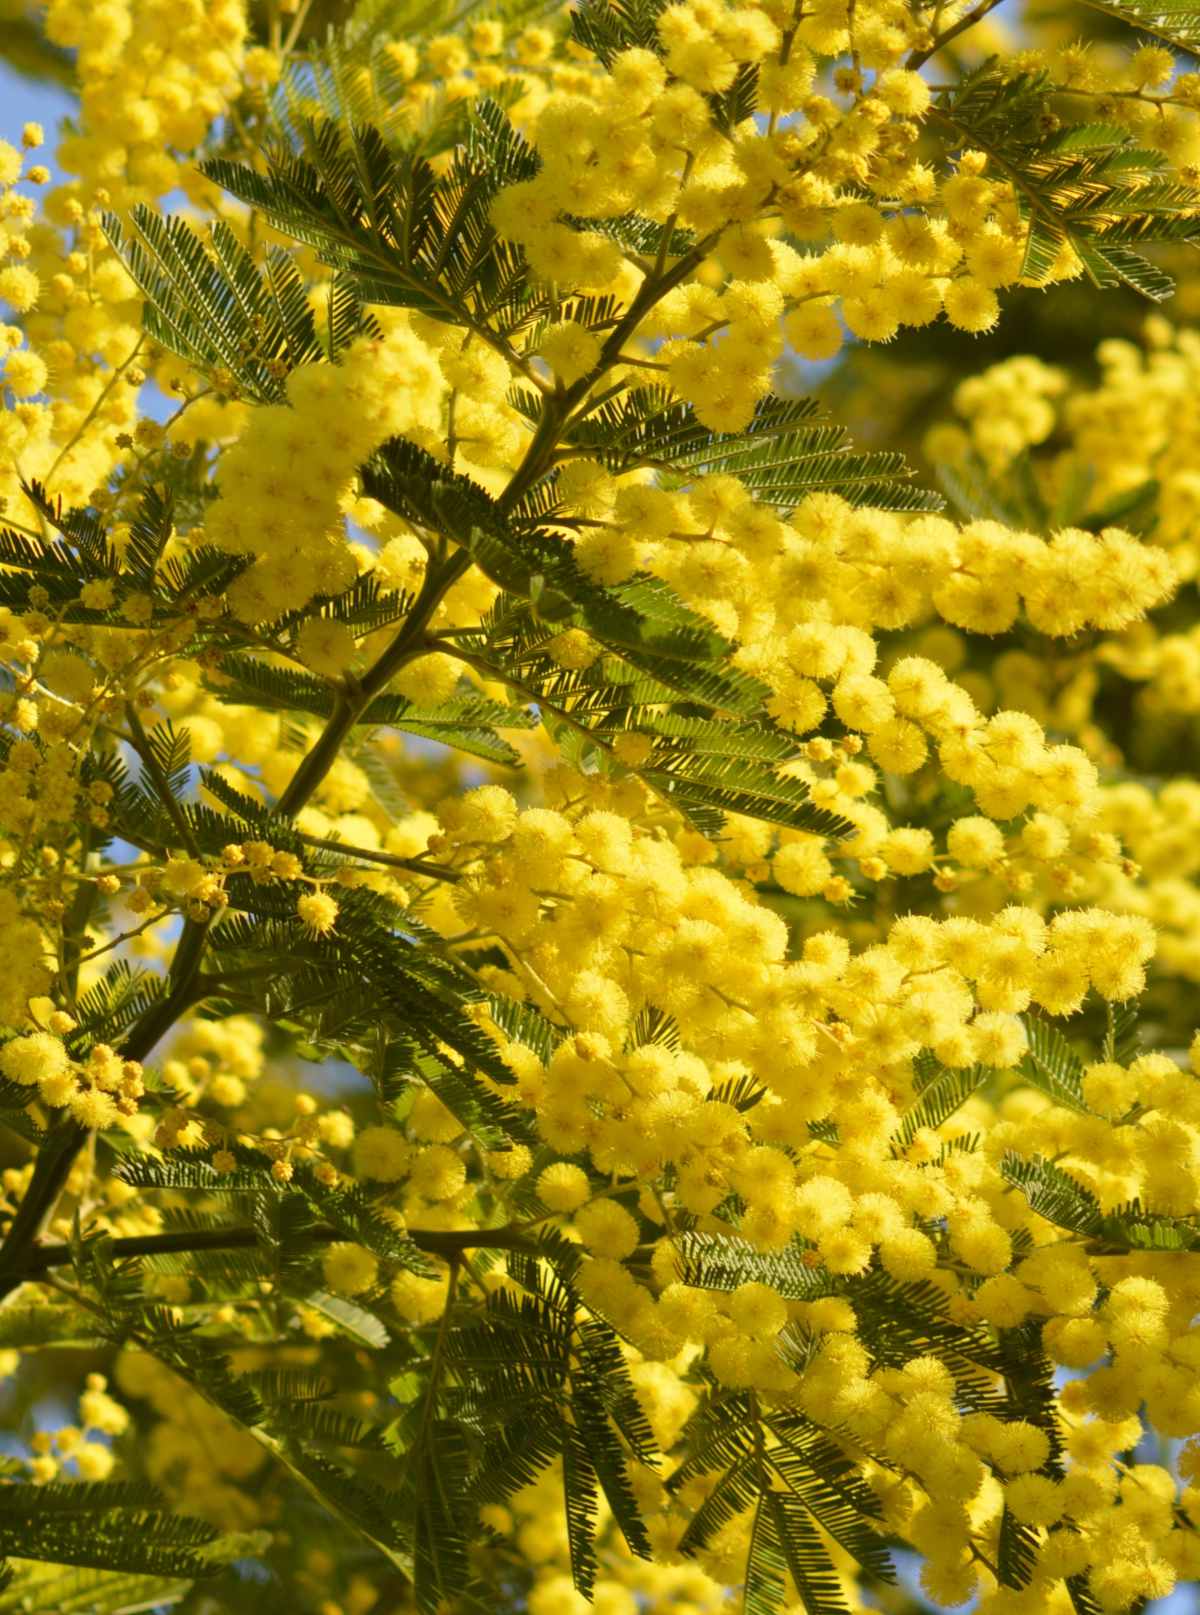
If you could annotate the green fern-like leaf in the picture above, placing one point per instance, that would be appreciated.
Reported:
(899, 1321)
(606, 27)
(785, 453)
(717, 1262)
(1054, 1194)
(1082, 186)
(1052, 1065)
(399, 233)
(102, 1526)
(708, 788)
(350, 1318)
(828, 1484)
(539, 1382)
(805, 1556)
(1120, 1031)
(70, 1591)
(121, 997)
(940, 1092)
(1175, 22)
(467, 723)
(207, 301)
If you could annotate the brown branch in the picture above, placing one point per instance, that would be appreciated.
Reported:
(446, 1243)
(918, 58)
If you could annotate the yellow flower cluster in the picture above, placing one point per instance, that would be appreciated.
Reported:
(192, 1440)
(759, 578)
(96, 1091)
(154, 74)
(742, 1023)
(67, 1453)
(285, 482)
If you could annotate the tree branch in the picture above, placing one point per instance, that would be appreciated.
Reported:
(918, 58)
(446, 1243)
(393, 860)
(408, 643)
(57, 1155)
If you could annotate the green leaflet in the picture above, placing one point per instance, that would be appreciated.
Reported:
(203, 294)
(795, 1479)
(82, 554)
(23, 1327)
(940, 1092)
(491, 1121)
(901, 1320)
(351, 1319)
(109, 1525)
(664, 661)
(643, 622)
(715, 1262)
(536, 1381)
(1054, 1194)
(1120, 1031)
(466, 722)
(437, 1475)
(348, 1207)
(706, 789)
(788, 450)
(115, 1525)
(606, 27)
(399, 233)
(1059, 1197)
(1029, 1394)
(1175, 22)
(1052, 1065)
(784, 1539)
(69, 1591)
(343, 988)
(1084, 186)
(817, 1470)
(115, 1003)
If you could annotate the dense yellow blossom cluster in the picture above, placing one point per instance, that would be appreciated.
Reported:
(71, 1450)
(281, 500)
(153, 77)
(868, 1032)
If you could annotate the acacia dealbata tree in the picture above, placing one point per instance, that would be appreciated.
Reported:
(599, 970)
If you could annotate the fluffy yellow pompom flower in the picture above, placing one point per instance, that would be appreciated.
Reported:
(25, 373)
(325, 645)
(19, 287)
(975, 841)
(757, 1310)
(563, 1186)
(1000, 1040)
(36, 1057)
(802, 867)
(815, 331)
(94, 1461)
(382, 1153)
(418, 1299)
(607, 1229)
(488, 813)
(570, 349)
(67, 675)
(970, 305)
(319, 912)
(100, 1411)
(438, 1173)
(349, 1269)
